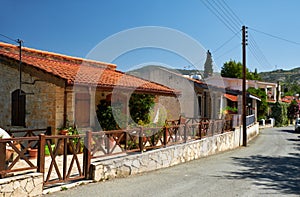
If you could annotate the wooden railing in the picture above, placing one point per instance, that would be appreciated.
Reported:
(72, 165)
(108, 143)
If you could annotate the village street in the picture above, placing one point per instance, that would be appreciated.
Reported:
(269, 166)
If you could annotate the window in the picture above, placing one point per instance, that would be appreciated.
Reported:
(18, 108)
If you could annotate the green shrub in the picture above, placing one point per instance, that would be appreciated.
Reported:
(279, 113)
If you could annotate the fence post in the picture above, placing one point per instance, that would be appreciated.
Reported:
(65, 158)
(108, 143)
(212, 127)
(126, 140)
(185, 133)
(2, 158)
(41, 154)
(200, 129)
(141, 135)
(165, 136)
(87, 154)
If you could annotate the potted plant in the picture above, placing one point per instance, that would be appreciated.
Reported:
(33, 152)
(76, 141)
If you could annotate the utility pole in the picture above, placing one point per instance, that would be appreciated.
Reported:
(244, 43)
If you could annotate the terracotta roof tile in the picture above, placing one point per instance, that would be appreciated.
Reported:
(82, 71)
(231, 97)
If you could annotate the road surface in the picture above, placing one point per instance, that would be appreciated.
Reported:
(269, 166)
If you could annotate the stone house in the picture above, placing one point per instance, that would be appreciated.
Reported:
(49, 89)
(270, 89)
(233, 93)
(197, 99)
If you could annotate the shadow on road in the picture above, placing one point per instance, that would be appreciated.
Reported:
(281, 173)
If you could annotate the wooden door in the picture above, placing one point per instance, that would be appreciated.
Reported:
(18, 108)
(82, 109)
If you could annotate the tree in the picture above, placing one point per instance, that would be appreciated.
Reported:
(256, 76)
(114, 118)
(139, 106)
(234, 69)
(208, 70)
(293, 110)
(262, 106)
(279, 113)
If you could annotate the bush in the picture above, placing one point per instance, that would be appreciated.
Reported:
(114, 118)
(262, 106)
(279, 113)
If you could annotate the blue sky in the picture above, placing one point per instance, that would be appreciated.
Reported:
(76, 27)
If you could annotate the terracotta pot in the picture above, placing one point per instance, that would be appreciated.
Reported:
(33, 153)
(71, 151)
(64, 132)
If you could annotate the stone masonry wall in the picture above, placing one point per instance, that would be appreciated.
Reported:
(22, 185)
(43, 107)
(169, 156)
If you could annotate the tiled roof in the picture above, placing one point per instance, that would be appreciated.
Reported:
(82, 71)
(231, 97)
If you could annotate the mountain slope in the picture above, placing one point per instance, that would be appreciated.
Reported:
(285, 76)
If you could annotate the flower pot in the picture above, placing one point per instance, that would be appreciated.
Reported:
(64, 132)
(71, 151)
(33, 152)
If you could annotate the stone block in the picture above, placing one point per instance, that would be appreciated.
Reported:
(124, 171)
(136, 163)
(109, 172)
(20, 192)
(16, 185)
(97, 172)
(29, 186)
(23, 183)
(8, 188)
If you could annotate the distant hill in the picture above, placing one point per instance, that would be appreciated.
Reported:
(179, 71)
(182, 71)
(285, 76)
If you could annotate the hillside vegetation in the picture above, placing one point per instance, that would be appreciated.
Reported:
(289, 79)
(285, 76)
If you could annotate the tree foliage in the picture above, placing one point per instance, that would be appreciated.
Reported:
(290, 89)
(140, 105)
(279, 113)
(262, 106)
(234, 69)
(114, 118)
(293, 110)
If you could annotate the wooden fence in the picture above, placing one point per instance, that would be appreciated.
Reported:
(69, 156)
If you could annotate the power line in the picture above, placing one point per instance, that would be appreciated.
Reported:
(231, 20)
(9, 38)
(232, 12)
(218, 15)
(236, 46)
(273, 36)
(226, 14)
(226, 42)
(254, 44)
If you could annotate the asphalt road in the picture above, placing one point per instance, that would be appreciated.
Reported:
(269, 166)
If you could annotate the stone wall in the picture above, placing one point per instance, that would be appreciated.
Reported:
(169, 156)
(42, 102)
(22, 185)
(32, 184)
